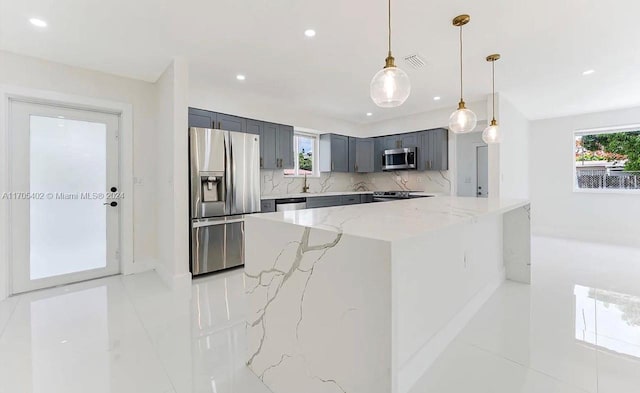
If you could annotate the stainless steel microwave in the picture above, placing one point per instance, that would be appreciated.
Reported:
(395, 159)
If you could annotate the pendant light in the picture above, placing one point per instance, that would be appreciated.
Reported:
(462, 120)
(390, 87)
(491, 134)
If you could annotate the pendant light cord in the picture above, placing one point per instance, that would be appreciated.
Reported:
(461, 93)
(493, 87)
(389, 27)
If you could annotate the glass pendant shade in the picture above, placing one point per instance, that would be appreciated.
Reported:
(462, 121)
(390, 87)
(491, 134)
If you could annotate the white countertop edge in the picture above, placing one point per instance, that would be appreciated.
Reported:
(441, 218)
(336, 193)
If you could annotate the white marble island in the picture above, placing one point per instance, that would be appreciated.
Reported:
(363, 298)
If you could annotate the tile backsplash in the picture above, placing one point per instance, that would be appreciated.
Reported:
(275, 183)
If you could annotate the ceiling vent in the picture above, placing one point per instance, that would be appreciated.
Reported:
(415, 60)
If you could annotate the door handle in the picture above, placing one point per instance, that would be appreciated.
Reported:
(112, 204)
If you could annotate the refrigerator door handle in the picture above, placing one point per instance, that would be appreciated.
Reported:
(228, 162)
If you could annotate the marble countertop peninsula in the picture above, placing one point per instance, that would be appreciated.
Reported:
(398, 219)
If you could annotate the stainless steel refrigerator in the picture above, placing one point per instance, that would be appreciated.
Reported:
(225, 185)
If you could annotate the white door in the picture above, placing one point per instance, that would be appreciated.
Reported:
(482, 165)
(64, 195)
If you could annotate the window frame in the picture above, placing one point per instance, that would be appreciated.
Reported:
(595, 131)
(315, 157)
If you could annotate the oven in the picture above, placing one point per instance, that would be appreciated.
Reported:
(396, 159)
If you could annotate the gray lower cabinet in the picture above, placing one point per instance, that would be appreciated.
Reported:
(324, 201)
(364, 152)
(334, 153)
(433, 153)
(350, 199)
(268, 205)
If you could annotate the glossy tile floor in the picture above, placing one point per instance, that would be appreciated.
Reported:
(576, 329)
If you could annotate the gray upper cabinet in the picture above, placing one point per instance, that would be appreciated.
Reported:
(433, 153)
(201, 118)
(276, 146)
(231, 123)
(285, 154)
(408, 140)
(364, 154)
(378, 152)
(254, 127)
(353, 163)
(334, 153)
(268, 146)
(207, 119)
(401, 141)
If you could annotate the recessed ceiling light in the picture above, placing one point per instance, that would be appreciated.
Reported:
(38, 22)
(310, 33)
(240, 77)
(436, 98)
(369, 114)
(588, 72)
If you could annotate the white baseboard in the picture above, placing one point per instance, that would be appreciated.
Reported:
(618, 239)
(422, 360)
(140, 265)
(175, 282)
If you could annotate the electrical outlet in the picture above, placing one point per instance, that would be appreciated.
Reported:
(398, 178)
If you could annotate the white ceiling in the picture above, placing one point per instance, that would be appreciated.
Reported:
(545, 44)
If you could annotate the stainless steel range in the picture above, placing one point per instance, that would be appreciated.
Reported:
(388, 196)
(225, 185)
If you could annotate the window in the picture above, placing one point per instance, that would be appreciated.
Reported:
(607, 160)
(305, 149)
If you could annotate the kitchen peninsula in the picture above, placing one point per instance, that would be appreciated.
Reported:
(363, 298)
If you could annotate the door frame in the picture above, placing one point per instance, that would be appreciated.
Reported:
(475, 166)
(124, 111)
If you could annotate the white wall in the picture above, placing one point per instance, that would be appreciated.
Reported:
(247, 104)
(513, 152)
(556, 209)
(422, 121)
(172, 208)
(27, 72)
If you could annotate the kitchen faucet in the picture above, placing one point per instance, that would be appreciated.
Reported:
(305, 187)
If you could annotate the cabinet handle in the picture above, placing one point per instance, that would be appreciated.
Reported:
(333, 166)
(261, 162)
(356, 167)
